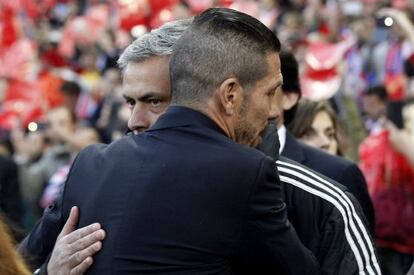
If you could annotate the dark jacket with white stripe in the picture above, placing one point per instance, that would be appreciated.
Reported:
(328, 220)
(339, 169)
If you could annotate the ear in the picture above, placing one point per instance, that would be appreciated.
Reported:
(289, 100)
(230, 95)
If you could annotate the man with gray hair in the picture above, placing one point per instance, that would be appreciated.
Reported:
(136, 125)
(147, 93)
(156, 173)
(186, 217)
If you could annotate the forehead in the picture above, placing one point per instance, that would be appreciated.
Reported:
(322, 120)
(372, 98)
(274, 74)
(273, 60)
(150, 75)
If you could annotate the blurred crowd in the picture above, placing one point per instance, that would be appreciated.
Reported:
(61, 90)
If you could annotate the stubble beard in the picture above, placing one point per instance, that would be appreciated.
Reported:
(244, 132)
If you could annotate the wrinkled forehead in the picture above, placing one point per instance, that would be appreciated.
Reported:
(156, 66)
(149, 75)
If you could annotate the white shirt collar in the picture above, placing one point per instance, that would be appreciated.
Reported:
(281, 132)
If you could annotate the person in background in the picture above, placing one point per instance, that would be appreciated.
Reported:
(403, 140)
(111, 124)
(70, 91)
(83, 137)
(375, 108)
(39, 161)
(337, 168)
(316, 125)
(386, 159)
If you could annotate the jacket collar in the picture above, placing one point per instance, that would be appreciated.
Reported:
(293, 149)
(177, 116)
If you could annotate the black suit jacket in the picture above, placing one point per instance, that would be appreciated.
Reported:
(182, 198)
(339, 169)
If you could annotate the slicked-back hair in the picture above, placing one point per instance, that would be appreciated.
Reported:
(221, 43)
(158, 42)
(289, 68)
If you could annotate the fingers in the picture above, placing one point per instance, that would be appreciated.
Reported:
(394, 13)
(77, 259)
(71, 223)
(82, 267)
(88, 232)
(81, 255)
(400, 17)
(85, 247)
(72, 253)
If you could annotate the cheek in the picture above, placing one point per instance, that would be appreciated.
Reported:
(310, 141)
(333, 146)
(153, 117)
(257, 119)
(263, 110)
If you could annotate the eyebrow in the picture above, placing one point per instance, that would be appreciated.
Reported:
(145, 97)
(278, 84)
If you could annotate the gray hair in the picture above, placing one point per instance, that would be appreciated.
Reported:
(158, 42)
(220, 43)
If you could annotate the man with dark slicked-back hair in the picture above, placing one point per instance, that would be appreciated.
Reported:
(183, 197)
(337, 257)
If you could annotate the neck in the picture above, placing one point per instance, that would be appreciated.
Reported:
(214, 114)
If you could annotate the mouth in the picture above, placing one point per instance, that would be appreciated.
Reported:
(137, 132)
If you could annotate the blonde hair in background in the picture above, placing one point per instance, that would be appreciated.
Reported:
(10, 261)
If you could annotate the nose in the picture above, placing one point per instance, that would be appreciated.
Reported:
(139, 120)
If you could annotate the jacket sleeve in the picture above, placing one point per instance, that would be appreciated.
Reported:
(357, 185)
(36, 247)
(336, 254)
(269, 242)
